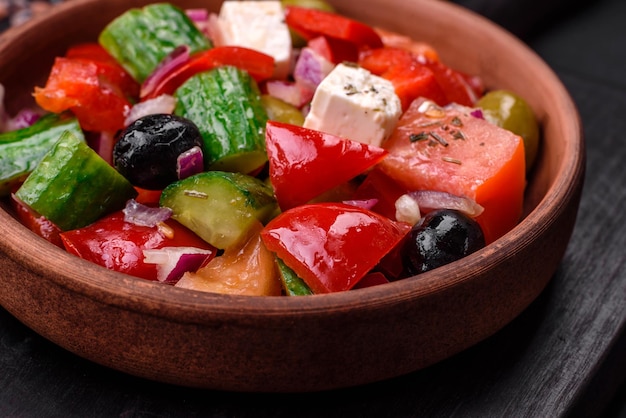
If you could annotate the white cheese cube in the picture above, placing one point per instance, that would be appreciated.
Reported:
(258, 25)
(353, 103)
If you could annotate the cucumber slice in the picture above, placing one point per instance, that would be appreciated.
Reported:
(21, 150)
(219, 206)
(73, 186)
(293, 285)
(225, 104)
(140, 39)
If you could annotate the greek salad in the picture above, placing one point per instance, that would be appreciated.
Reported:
(272, 148)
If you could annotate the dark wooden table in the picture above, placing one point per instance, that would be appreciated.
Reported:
(564, 356)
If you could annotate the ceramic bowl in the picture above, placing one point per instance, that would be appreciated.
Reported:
(281, 344)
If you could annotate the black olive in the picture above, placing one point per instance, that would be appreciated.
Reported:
(147, 150)
(440, 237)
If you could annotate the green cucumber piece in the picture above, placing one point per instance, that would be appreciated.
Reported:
(292, 283)
(140, 39)
(219, 206)
(21, 150)
(225, 104)
(73, 186)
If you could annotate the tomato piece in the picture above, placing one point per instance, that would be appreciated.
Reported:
(455, 86)
(377, 185)
(311, 23)
(331, 246)
(446, 150)
(107, 65)
(40, 225)
(247, 270)
(303, 163)
(95, 91)
(413, 76)
(395, 40)
(259, 65)
(118, 245)
(334, 50)
(411, 79)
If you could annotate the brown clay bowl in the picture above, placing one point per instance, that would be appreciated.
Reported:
(281, 344)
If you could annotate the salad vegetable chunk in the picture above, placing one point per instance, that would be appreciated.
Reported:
(272, 148)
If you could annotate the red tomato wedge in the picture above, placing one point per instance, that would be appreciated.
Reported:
(414, 76)
(259, 65)
(118, 245)
(303, 163)
(331, 246)
(334, 50)
(445, 149)
(311, 23)
(40, 225)
(89, 90)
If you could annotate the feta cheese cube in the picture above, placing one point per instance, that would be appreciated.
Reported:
(258, 25)
(353, 103)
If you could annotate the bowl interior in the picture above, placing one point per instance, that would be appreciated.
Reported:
(27, 52)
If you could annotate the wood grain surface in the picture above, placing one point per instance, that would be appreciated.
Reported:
(564, 356)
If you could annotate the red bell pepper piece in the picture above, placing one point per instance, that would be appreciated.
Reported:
(118, 245)
(260, 66)
(311, 23)
(304, 163)
(323, 243)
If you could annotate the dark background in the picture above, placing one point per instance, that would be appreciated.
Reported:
(564, 356)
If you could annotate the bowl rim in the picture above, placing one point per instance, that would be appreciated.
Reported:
(156, 299)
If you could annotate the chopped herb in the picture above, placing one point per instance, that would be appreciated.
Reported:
(350, 89)
(439, 138)
(456, 121)
(451, 160)
(459, 135)
(419, 137)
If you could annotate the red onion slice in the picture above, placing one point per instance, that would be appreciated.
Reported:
(189, 163)
(173, 262)
(139, 214)
(363, 203)
(429, 200)
(177, 58)
(311, 68)
(161, 104)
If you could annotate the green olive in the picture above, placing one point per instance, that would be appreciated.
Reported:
(297, 40)
(511, 112)
(281, 111)
(311, 4)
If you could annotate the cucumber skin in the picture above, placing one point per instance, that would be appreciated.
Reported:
(220, 207)
(292, 284)
(225, 104)
(73, 186)
(21, 150)
(140, 39)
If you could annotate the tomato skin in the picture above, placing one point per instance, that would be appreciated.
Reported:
(304, 163)
(334, 50)
(118, 245)
(259, 65)
(478, 160)
(310, 23)
(415, 76)
(331, 246)
(40, 225)
(91, 89)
